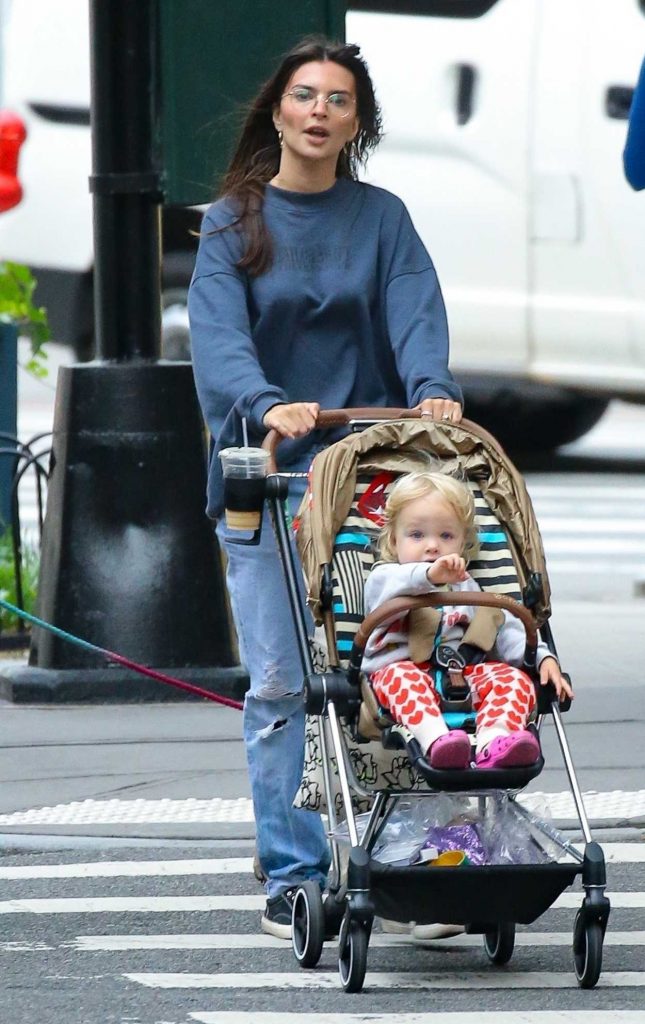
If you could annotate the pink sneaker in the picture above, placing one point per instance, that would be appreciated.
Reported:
(516, 750)
(450, 751)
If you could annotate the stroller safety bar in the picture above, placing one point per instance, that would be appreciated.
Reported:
(398, 605)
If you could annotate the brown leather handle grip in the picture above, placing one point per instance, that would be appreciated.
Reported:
(343, 417)
(398, 605)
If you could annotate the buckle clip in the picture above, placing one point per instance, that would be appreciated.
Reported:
(455, 688)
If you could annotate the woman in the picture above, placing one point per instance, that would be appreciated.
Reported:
(310, 290)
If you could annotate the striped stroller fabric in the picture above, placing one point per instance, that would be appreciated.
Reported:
(357, 470)
(355, 551)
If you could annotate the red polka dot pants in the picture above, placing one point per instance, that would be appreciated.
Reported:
(503, 698)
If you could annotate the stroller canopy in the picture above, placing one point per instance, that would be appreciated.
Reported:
(403, 446)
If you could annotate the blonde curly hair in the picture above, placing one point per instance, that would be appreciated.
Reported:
(411, 486)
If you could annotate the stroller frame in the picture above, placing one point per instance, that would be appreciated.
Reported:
(510, 893)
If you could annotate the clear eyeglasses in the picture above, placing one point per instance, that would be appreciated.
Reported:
(339, 104)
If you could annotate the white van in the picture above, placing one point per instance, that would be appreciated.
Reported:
(505, 122)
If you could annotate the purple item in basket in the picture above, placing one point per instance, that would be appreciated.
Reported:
(457, 837)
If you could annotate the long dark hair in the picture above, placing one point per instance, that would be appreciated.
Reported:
(257, 156)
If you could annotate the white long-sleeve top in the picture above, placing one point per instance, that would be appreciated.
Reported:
(389, 642)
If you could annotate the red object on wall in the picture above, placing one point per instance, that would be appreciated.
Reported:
(12, 135)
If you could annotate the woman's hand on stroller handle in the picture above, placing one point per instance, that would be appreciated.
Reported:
(440, 409)
(280, 418)
(295, 419)
(550, 673)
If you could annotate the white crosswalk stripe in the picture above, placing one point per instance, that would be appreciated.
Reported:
(135, 954)
(381, 980)
(176, 904)
(587, 525)
(95, 943)
(497, 1017)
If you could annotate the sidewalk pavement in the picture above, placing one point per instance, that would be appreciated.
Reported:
(155, 771)
(176, 770)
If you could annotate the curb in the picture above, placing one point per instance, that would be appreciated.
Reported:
(26, 684)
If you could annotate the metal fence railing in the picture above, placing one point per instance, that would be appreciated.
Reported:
(21, 536)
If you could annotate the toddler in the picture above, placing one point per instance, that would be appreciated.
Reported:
(429, 533)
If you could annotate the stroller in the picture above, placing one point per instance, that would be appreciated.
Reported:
(336, 530)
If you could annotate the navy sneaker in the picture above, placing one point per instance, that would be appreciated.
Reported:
(276, 919)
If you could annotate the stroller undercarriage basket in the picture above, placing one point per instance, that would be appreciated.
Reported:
(488, 898)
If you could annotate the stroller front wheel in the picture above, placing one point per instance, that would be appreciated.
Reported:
(587, 951)
(308, 924)
(499, 943)
(352, 954)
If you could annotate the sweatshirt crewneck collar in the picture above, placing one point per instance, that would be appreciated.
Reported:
(275, 196)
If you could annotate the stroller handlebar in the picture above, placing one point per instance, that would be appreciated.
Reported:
(398, 605)
(344, 417)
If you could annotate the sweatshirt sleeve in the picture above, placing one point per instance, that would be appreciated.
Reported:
(228, 376)
(511, 643)
(416, 319)
(389, 579)
(634, 153)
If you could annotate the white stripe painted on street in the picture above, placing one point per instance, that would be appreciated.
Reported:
(129, 943)
(174, 904)
(476, 1017)
(604, 527)
(615, 853)
(131, 904)
(609, 545)
(562, 491)
(20, 946)
(581, 568)
(624, 853)
(471, 980)
(131, 868)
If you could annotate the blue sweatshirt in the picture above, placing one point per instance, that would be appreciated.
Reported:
(634, 155)
(349, 314)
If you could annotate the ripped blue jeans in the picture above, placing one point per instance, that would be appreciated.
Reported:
(291, 843)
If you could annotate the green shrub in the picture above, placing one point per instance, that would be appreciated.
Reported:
(17, 287)
(30, 564)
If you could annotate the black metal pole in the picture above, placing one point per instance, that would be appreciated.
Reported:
(128, 560)
(125, 179)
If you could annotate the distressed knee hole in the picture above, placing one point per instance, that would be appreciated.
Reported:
(270, 729)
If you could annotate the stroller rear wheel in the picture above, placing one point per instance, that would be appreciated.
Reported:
(499, 943)
(587, 950)
(352, 954)
(307, 924)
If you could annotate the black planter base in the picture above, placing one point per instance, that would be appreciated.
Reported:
(26, 684)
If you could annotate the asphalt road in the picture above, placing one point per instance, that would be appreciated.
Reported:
(142, 947)
(198, 954)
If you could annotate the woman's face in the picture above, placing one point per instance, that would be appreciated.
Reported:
(317, 113)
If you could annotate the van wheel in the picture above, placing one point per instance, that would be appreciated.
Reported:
(176, 272)
(527, 417)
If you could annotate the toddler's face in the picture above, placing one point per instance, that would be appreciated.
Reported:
(426, 529)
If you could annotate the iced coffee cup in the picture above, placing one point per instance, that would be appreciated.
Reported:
(244, 472)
